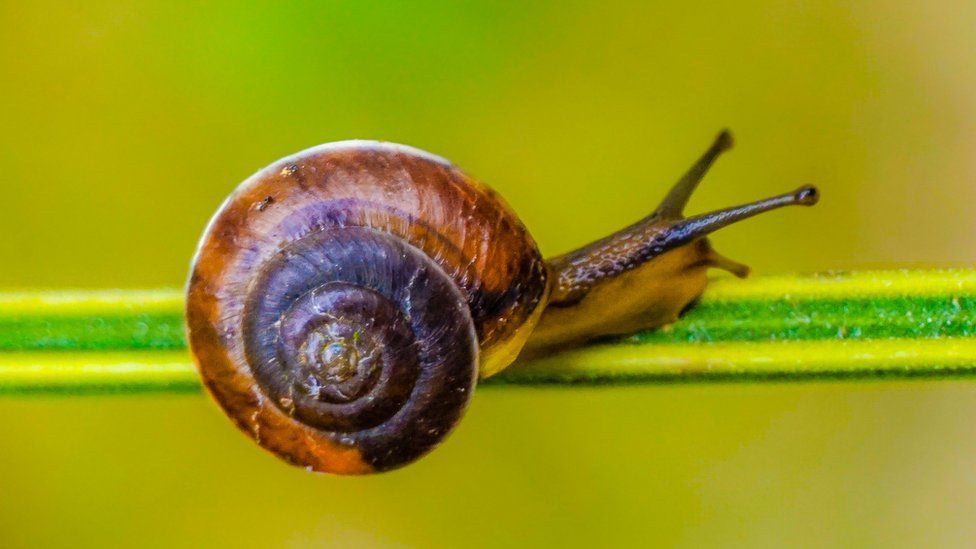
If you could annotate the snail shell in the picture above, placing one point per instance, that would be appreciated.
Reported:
(343, 301)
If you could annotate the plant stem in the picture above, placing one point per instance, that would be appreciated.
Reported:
(880, 324)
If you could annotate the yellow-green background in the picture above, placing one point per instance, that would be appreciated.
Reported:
(123, 125)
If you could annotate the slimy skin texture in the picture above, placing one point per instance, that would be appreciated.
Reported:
(344, 301)
(636, 299)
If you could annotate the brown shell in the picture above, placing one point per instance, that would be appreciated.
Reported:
(465, 227)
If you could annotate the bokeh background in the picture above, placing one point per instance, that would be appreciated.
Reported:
(124, 124)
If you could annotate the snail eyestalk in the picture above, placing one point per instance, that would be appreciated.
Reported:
(674, 203)
(644, 275)
(689, 229)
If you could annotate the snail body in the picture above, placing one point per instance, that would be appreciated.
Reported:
(344, 301)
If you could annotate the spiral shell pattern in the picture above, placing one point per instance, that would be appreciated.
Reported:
(342, 301)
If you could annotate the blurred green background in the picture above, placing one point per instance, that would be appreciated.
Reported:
(125, 124)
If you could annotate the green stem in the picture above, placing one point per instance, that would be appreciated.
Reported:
(842, 325)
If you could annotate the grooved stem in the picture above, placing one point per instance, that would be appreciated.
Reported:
(885, 324)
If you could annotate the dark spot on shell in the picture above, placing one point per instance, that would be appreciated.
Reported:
(263, 204)
(293, 171)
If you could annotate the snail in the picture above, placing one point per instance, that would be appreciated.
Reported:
(344, 301)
